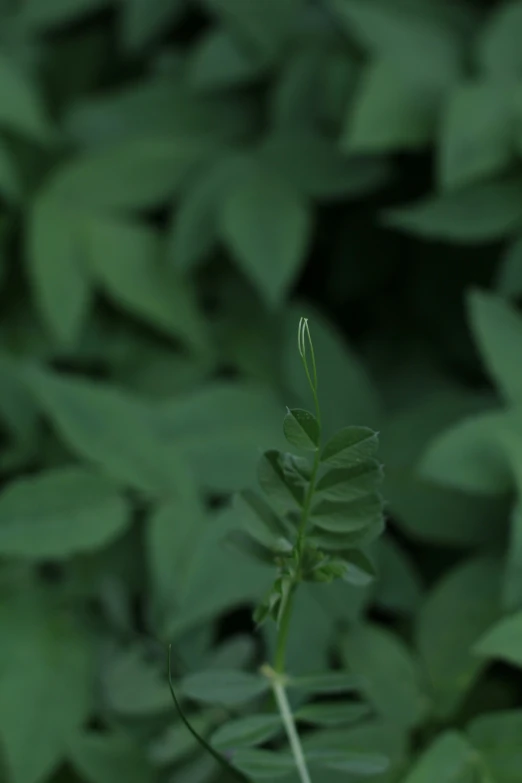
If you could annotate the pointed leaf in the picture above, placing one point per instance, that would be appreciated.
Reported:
(503, 641)
(497, 329)
(246, 731)
(475, 214)
(282, 488)
(330, 682)
(347, 761)
(267, 227)
(349, 446)
(324, 713)
(302, 429)
(264, 764)
(347, 517)
(223, 687)
(350, 482)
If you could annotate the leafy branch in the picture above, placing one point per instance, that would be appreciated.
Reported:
(313, 522)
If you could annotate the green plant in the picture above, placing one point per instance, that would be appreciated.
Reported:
(312, 524)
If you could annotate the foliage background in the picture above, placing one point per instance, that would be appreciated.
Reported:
(180, 180)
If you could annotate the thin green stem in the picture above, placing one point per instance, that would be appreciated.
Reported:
(282, 636)
(293, 737)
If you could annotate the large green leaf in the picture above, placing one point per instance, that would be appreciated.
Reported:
(46, 685)
(497, 329)
(21, 107)
(503, 641)
(317, 167)
(59, 513)
(59, 274)
(126, 261)
(247, 731)
(496, 735)
(110, 428)
(396, 107)
(266, 225)
(223, 687)
(347, 517)
(423, 506)
(392, 677)
(476, 137)
(449, 758)
(456, 613)
(103, 758)
(469, 456)
(498, 47)
(478, 213)
(135, 174)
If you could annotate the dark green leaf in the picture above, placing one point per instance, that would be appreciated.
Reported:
(264, 764)
(449, 758)
(347, 517)
(60, 278)
(101, 758)
(498, 46)
(392, 675)
(497, 329)
(350, 482)
(302, 429)
(109, 428)
(221, 61)
(281, 486)
(325, 713)
(21, 108)
(496, 736)
(144, 20)
(460, 608)
(503, 641)
(246, 731)
(57, 12)
(476, 139)
(249, 546)
(479, 213)
(266, 224)
(350, 762)
(350, 446)
(330, 682)
(223, 687)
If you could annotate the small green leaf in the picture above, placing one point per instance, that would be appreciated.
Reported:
(302, 429)
(229, 688)
(350, 762)
(247, 731)
(220, 61)
(349, 446)
(496, 736)
(358, 570)
(60, 513)
(325, 713)
(281, 486)
(347, 517)
(339, 542)
(144, 20)
(249, 546)
(264, 764)
(330, 682)
(351, 482)
(503, 641)
(253, 511)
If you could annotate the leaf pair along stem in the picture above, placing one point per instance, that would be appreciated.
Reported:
(305, 347)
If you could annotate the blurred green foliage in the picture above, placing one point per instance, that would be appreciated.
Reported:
(180, 181)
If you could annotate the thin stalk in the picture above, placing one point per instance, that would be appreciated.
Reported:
(291, 731)
(282, 636)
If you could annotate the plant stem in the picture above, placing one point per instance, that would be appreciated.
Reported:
(282, 636)
(289, 724)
